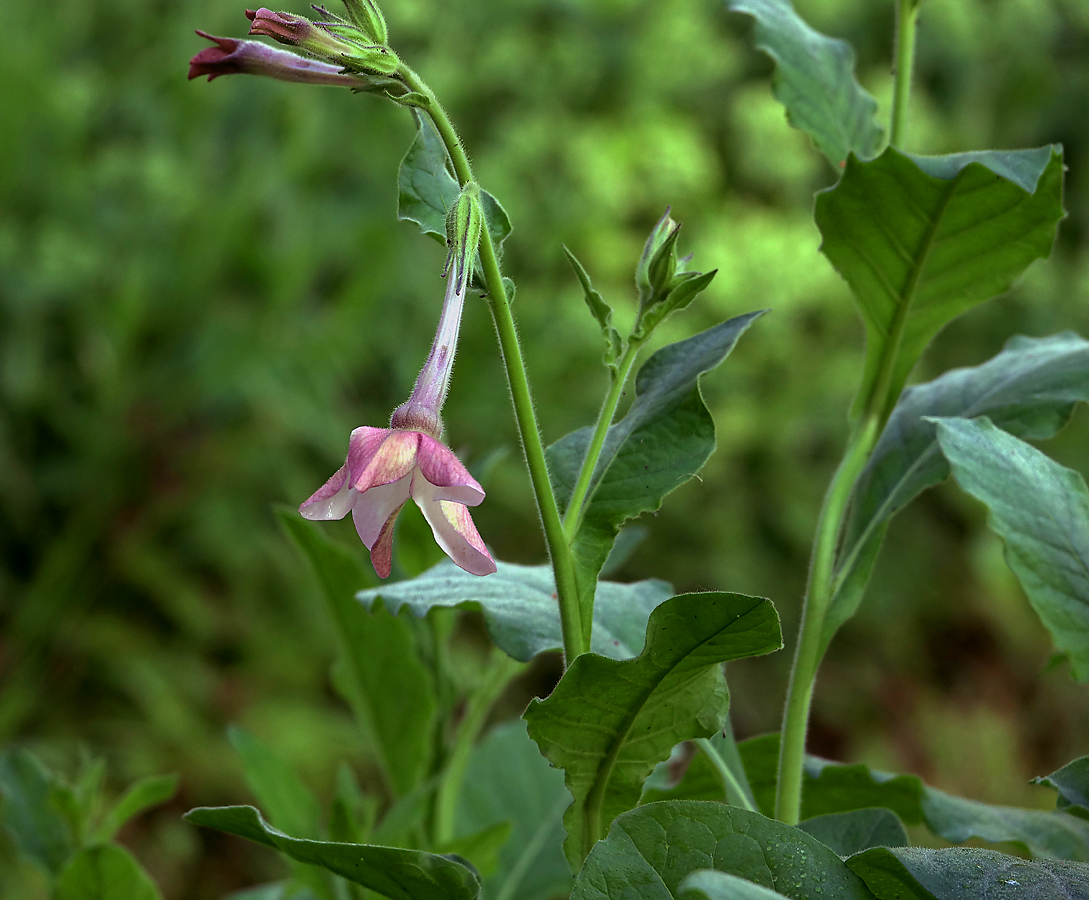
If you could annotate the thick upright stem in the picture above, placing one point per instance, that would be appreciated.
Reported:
(575, 641)
(807, 655)
(903, 62)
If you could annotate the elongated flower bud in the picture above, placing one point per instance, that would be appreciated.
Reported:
(230, 56)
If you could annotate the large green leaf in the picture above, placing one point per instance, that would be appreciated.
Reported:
(920, 240)
(1041, 511)
(378, 662)
(1029, 389)
(915, 873)
(830, 788)
(815, 81)
(852, 832)
(29, 813)
(710, 884)
(664, 439)
(104, 872)
(608, 723)
(650, 851)
(427, 189)
(520, 608)
(389, 871)
(1072, 783)
(508, 780)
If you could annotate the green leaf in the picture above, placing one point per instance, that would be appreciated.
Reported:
(921, 240)
(520, 610)
(390, 871)
(851, 832)
(142, 795)
(608, 723)
(289, 802)
(1072, 783)
(815, 80)
(427, 189)
(664, 439)
(378, 661)
(830, 788)
(508, 780)
(599, 309)
(955, 874)
(650, 851)
(105, 872)
(37, 827)
(1029, 389)
(1041, 511)
(714, 885)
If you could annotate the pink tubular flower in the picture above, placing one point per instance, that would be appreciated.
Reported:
(385, 467)
(231, 56)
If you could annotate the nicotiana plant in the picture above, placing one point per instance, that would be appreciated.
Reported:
(576, 798)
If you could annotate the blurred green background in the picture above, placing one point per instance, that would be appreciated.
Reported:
(203, 289)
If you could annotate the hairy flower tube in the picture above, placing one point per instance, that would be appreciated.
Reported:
(387, 466)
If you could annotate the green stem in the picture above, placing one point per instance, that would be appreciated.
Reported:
(807, 655)
(501, 669)
(575, 641)
(729, 780)
(903, 62)
(575, 508)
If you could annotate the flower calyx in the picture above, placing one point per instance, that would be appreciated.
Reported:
(334, 40)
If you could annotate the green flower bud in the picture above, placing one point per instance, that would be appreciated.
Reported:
(368, 18)
(464, 225)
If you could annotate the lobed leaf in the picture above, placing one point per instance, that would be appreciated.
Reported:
(921, 240)
(908, 873)
(608, 723)
(1029, 389)
(651, 850)
(520, 608)
(815, 81)
(1041, 511)
(389, 871)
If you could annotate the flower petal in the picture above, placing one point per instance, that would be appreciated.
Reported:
(446, 474)
(455, 532)
(381, 456)
(332, 500)
(375, 508)
(382, 551)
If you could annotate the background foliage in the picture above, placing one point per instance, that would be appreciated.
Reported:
(202, 290)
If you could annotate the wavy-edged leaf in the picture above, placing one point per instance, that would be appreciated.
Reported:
(815, 81)
(1029, 389)
(1041, 511)
(921, 240)
(390, 871)
(662, 441)
(105, 872)
(852, 832)
(1072, 784)
(520, 608)
(608, 723)
(830, 787)
(427, 189)
(651, 850)
(916, 873)
(378, 664)
(508, 780)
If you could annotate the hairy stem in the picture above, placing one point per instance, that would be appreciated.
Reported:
(575, 641)
(807, 655)
(903, 62)
(575, 508)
